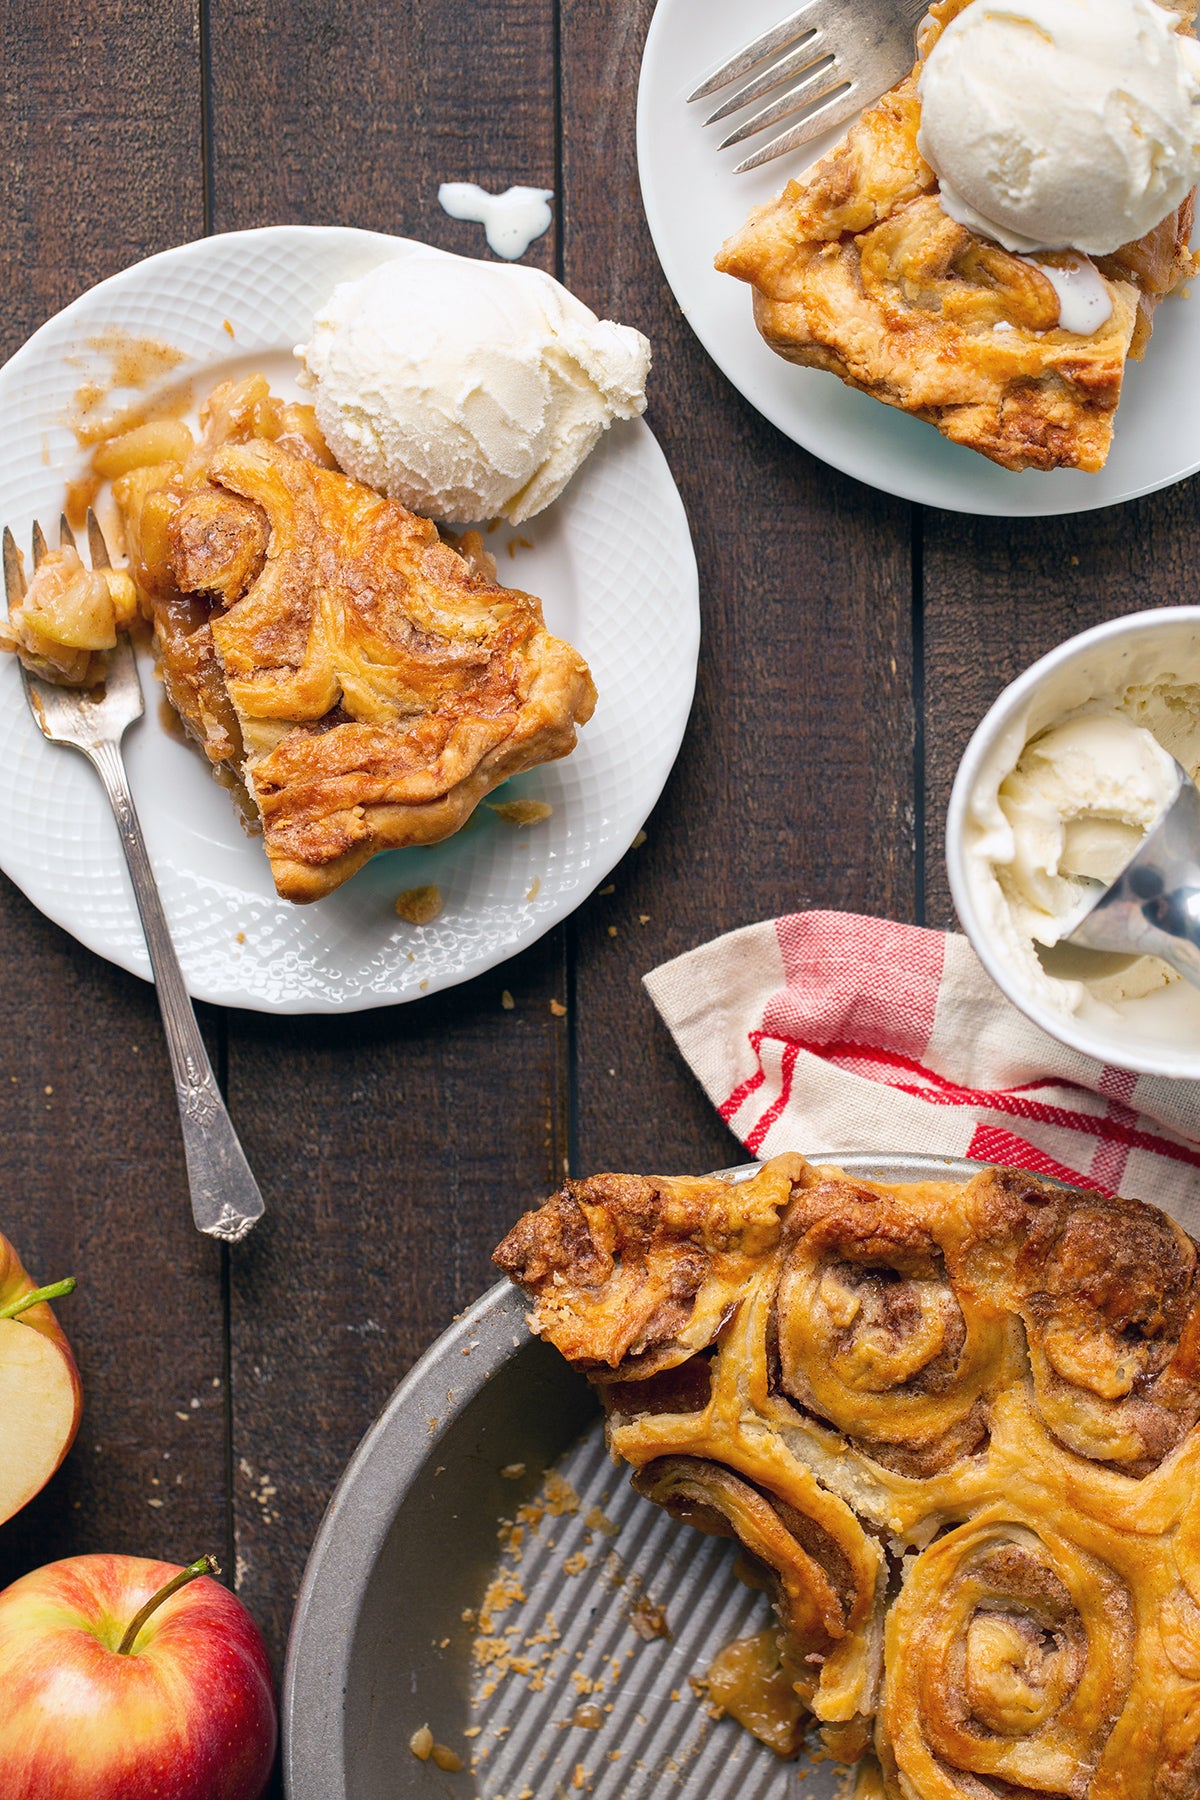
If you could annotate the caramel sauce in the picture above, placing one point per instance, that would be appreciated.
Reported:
(92, 426)
(137, 362)
(171, 722)
(81, 493)
(648, 1620)
(748, 1680)
(134, 362)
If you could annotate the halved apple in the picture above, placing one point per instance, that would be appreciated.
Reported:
(40, 1392)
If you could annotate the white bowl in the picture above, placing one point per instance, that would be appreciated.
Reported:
(1160, 1033)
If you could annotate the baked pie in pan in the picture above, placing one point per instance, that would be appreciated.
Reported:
(953, 1428)
(857, 269)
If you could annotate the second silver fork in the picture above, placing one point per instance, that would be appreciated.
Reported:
(837, 56)
(226, 1202)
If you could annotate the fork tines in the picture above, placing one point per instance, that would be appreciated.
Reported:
(14, 572)
(96, 544)
(788, 31)
(14, 567)
(796, 51)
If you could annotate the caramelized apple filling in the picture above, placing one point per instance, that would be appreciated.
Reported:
(70, 614)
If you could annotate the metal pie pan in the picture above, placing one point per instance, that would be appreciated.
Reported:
(409, 1543)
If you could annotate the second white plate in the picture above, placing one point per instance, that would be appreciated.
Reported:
(694, 201)
(612, 561)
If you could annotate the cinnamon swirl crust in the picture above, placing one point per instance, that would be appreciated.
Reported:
(955, 1429)
(362, 684)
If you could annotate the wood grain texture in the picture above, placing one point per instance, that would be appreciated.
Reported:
(99, 168)
(94, 1186)
(999, 593)
(352, 114)
(225, 1393)
(794, 785)
(396, 1147)
(98, 171)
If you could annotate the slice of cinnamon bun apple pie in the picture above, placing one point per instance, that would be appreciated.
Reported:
(859, 267)
(358, 682)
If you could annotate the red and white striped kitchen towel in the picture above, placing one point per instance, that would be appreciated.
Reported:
(827, 1032)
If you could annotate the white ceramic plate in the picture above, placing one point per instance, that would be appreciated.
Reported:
(612, 561)
(694, 201)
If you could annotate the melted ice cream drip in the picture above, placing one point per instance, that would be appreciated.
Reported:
(1083, 300)
(511, 220)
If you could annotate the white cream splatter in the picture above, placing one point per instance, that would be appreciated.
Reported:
(511, 220)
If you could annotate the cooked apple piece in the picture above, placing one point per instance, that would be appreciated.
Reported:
(68, 615)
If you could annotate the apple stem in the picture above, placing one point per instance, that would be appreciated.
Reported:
(204, 1565)
(55, 1291)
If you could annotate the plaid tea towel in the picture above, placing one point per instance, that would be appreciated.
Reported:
(827, 1032)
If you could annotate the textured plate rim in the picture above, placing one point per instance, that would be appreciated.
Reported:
(386, 1465)
(528, 928)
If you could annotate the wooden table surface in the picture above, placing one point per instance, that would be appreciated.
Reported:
(851, 643)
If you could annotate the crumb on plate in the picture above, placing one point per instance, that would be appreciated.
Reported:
(521, 812)
(419, 905)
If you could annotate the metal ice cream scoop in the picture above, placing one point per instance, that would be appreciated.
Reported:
(1153, 907)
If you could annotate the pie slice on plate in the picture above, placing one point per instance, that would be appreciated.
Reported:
(360, 684)
(857, 269)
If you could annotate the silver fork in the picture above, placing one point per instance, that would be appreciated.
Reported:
(226, 1202)
(831, 85)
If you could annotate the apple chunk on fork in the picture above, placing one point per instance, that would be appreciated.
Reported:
(40, 1392)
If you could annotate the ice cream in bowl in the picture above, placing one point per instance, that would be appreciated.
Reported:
(1070, 770)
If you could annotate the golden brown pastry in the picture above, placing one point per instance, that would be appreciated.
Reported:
(358, 678)
(954, 1428)
(856, 269)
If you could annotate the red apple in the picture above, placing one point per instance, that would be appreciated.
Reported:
(40, 1394)
(122, 1679)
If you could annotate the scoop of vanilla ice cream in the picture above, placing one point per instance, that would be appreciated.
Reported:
(468, 390)
(1080, 800)
(1062, 124)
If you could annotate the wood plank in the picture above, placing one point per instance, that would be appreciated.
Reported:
(396, 1146)
(352, 114)
(101, 169)
(793, 788)
(999, 593)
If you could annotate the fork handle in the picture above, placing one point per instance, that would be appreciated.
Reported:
(226, 1201)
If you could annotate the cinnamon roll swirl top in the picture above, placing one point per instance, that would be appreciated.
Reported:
(955, 1428)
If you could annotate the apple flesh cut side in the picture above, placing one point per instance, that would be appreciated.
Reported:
(39, 1412)
(40, 1393)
